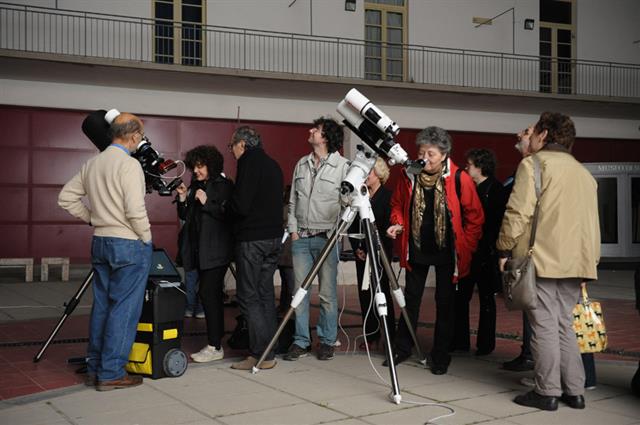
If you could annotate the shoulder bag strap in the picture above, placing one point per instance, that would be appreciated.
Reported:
(538, 185)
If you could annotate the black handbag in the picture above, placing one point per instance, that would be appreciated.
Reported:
(519, 276)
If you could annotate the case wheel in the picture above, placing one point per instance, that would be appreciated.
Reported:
(174, 363)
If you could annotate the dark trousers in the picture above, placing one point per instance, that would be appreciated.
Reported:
(372, 325)
(527, 332)
(287, 286)
(445, 295)
(256, 261)
(486, 339)
(212, 296)
(589, 363)
(635, 382)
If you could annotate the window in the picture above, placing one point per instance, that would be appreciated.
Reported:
(178, 31)
(385, 34)
(556, 46)
(608, 209)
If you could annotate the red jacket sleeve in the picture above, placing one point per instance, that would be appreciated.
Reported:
(472, 213)
(398, 200)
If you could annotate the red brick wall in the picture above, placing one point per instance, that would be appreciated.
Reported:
(42, 148)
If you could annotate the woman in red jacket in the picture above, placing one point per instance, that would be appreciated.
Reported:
(437, 228)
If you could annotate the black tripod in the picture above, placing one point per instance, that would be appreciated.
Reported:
(69, 307)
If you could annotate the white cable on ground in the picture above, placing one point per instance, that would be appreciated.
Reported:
(431, 421)
(344, 304)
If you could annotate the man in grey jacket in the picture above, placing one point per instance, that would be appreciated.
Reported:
(314, 206)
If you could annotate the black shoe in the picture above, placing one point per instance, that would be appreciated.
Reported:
(397, 359)
(295, 352)
(519, 364)
(573, 401)
(635, 382)
(325, 352)
(533, 399)
(438, 370)
(483, 352)
(460, 349)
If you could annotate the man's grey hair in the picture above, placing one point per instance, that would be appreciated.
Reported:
(250, 136)
(120, 130)
(437, 137)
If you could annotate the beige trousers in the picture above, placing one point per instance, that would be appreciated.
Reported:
(558, 365)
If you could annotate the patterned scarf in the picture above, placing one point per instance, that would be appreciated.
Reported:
(436, 182)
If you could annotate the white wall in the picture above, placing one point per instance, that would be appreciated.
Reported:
(138, 8)
(449, 24)
(177, 103)
(280, 53)
(606, 30)
(325, 17)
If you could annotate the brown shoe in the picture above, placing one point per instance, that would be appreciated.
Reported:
(126, 382)
(268, 364)
(246, 364)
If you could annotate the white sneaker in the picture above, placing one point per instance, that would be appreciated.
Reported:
(199, 315)
(208, 354)
(527, 382)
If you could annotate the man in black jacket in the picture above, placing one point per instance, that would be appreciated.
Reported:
(524, 361)
(256, 205)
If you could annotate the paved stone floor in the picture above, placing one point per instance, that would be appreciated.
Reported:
(345, 390)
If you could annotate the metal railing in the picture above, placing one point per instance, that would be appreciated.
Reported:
(54, 31)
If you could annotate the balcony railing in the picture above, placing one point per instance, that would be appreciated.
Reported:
(84, 34)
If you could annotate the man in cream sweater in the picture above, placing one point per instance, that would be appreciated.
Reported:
(113, 183)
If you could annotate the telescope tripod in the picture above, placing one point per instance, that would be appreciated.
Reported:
(69, 307)
(360, 204)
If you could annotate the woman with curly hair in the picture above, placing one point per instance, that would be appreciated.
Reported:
(206, 241)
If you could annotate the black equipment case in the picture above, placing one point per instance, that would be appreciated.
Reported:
(156, 351)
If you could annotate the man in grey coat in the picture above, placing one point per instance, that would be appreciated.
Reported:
(314, 206)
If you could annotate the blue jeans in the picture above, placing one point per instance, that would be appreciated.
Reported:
(121, 268)
(191, 283)
(305, 252)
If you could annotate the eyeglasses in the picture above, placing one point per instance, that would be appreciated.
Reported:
(230, 146)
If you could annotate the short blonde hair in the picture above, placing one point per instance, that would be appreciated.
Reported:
(382, 170)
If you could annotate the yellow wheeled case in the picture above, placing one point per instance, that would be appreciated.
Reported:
(156, 351)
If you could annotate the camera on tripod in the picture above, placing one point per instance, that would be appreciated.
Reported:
(96, 127)
(154, 167)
